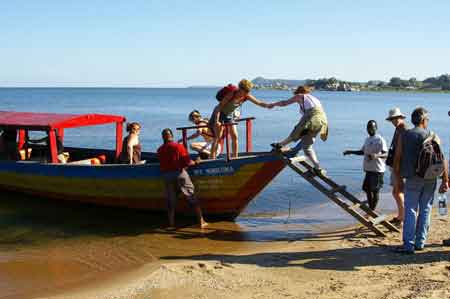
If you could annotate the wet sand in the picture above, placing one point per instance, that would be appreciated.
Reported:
(78, 251)
(49, 247)
(349, 263)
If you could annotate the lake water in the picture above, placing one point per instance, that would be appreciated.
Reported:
(156, 109)
(40, 236)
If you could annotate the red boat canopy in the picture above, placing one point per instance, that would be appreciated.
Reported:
(52, 122)
(49, 121)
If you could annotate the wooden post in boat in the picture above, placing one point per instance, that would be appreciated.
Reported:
(119, 132)
(227, 141)
(184, 132)
(52, 144)
(248, 132)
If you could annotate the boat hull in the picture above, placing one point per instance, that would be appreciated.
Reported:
(224, 188)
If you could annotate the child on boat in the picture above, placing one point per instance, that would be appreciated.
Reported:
(312, 122)
(374, 151)
(202, 147)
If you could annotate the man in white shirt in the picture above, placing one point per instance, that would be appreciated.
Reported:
(374, 151)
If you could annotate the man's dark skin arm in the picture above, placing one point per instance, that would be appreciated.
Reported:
(348, 152)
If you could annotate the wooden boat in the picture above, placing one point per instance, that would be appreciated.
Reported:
(224, 186)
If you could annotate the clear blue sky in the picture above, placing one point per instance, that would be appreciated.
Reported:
(181, 43)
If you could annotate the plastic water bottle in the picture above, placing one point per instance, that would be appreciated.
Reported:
(442, 203)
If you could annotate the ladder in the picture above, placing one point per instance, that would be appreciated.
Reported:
(338, 194)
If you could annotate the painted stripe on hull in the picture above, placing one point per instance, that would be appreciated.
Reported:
(226, 194)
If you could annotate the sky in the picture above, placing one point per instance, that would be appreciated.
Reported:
(171, 43)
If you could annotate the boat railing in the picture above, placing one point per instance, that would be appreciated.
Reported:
(226, 135)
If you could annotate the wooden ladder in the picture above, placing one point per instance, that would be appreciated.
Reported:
(338, 194)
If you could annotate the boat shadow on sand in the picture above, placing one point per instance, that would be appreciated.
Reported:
(26, 221)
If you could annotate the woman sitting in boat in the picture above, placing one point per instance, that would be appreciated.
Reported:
(203, 147)
(131, 147)
(223, 114)
(312, 122)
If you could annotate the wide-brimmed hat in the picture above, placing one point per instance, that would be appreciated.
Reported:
(395, 113)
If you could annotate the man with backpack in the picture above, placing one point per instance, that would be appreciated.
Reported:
(419, 160)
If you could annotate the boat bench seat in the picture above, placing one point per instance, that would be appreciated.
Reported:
(100, 159)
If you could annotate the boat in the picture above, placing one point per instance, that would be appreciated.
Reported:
(225, 186)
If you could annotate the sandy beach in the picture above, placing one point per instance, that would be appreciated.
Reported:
(348, 263)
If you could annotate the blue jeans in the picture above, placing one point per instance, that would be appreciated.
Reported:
(419, 195)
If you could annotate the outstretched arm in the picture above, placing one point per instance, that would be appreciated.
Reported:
(349, 152)
(294, 99)
(258, 102)
(193, 136)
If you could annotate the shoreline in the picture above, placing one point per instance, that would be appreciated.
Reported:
(346, 263)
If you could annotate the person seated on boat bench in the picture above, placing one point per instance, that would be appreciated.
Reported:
(203, 148)
(173, 162)
(62, 158)
(312, 122)
(8, 145)
(131, 147)
(374, 151)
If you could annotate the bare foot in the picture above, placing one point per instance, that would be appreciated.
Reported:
(204, 224)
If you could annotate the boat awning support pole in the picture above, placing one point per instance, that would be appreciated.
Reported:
(21, 139)
(119, 132)
(52, 144)
(248, 131)
(227, 140)
(184, 133)
(61, 134)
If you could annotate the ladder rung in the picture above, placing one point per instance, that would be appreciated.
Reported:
(338, 189)
(357, 205)
(379, 219)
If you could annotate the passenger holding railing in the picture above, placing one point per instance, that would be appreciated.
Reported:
(223, 114)
(203, 148)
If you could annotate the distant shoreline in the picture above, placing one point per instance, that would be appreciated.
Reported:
(380, 90)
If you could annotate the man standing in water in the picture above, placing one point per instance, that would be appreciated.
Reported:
(174, 160)
(398, 121)
(374, 151)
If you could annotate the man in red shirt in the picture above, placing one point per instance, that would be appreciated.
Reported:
(173, 162)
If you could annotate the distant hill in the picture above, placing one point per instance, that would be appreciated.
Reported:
(267, 83)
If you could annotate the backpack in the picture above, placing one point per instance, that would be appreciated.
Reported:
(225, 91)
(430, 161)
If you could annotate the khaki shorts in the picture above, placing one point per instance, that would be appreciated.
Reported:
(179, 182)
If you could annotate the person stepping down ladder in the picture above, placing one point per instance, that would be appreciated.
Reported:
(312, 122)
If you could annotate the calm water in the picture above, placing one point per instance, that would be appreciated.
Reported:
(156, 109)
(48, 245)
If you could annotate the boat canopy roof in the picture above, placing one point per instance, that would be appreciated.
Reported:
(50, 121)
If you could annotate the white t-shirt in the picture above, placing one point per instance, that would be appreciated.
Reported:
(374, 145)
(310, 102)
